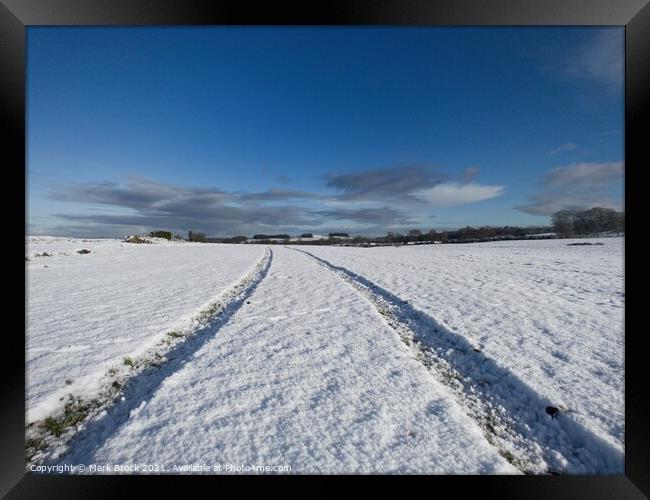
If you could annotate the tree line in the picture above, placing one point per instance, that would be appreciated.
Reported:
(565, 224)
(597, 220)
(463, 235)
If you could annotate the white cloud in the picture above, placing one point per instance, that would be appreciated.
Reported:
(548, 204)
(585, 174)
(578, 186)
(449, 194)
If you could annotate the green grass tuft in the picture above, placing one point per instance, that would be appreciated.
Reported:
(53, 426)
(508, 456)
(74, 412)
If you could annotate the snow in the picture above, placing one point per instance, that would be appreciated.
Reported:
(305, 374)
(549, 313)
(414, 359)
(85, 313)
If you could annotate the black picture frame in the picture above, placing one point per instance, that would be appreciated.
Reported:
(16, 15)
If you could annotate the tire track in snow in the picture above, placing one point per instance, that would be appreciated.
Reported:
(510, 413)
(85, 424)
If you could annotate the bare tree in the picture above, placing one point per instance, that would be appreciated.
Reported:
(563, 222)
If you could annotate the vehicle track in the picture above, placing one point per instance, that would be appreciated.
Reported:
(511, 414)
(84, 421)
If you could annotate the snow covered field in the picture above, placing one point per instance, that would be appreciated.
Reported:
(86, 312)
(430, 359)
(549, 312)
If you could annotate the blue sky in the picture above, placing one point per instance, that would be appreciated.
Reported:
(255, 130)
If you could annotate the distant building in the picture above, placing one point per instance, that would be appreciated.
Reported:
(306, 235)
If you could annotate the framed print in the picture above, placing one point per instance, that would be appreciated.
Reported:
(359, 238)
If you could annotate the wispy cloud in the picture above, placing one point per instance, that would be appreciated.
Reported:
(578, 186)
(382, 216)
(549, 203)
(376, 198)
(279, 195)
(600, 59)
(385, 184)
(277, 177)
(154, 204)
(414, 185)
(562, 148)
(469, 174)
(585, 174)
